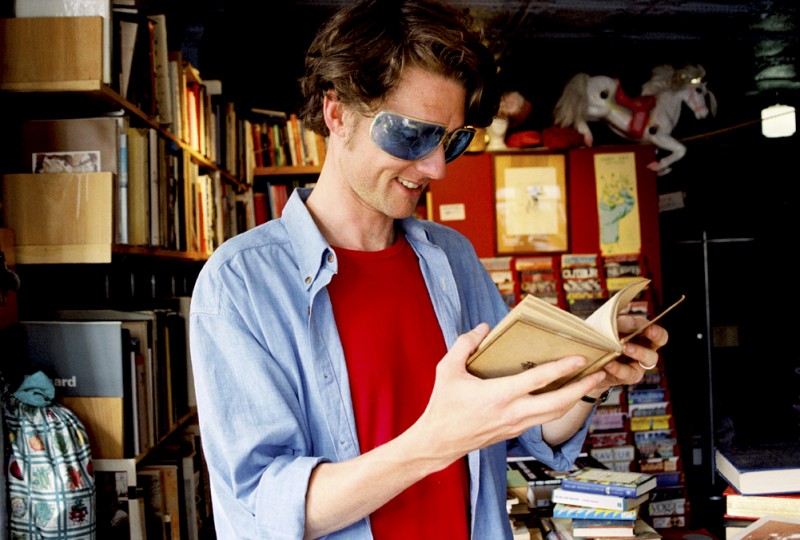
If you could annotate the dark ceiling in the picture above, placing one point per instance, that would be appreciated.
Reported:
(749, 49)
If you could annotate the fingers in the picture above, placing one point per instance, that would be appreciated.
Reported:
(543, 375)
(656, 334)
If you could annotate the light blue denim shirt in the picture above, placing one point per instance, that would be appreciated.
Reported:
(271, 381)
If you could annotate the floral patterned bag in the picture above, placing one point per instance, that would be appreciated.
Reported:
(51, 490)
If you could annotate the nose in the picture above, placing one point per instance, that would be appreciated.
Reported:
(433, 166)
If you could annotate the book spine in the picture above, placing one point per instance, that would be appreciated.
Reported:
(600, 489)
(577, 498)
(122, 202)
(580, 512)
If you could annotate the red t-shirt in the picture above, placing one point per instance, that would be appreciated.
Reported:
(392, 343)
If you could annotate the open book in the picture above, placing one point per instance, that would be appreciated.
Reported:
(535, 332)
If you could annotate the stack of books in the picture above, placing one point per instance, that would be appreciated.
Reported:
(763, 480)
(612, 497)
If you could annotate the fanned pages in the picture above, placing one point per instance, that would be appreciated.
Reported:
(535, 332)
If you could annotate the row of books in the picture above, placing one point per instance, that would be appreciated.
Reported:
(166, 496)
(126, 374)
(170, 89)
(577, 282)
(281, 139)
(271, 199)
(161, 196)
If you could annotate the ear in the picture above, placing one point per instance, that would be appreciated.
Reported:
(333, 112)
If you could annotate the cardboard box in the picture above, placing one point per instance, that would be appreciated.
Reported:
(60, 217)
(33, 62)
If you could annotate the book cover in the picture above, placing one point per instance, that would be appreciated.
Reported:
(97, 134)
(541, 479)
(761, 469)
(584, 290)
(516, 485)
(770, 527)
(621, 269)
(608, 482)
(756, 506)
(507, 349)
(562, 510)
(84, 358)
(538, 276)
(501, 270)
(118, 500)
(667, 501)
(153, 495)
(597, 501)
(170, 485)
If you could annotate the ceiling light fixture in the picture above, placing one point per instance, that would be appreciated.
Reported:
(778, 121)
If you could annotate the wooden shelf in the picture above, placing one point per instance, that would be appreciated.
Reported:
(160, 253)
(291, 169)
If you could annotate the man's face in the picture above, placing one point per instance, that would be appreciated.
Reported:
(389, 185)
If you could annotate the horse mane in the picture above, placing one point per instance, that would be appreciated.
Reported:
(666, 77)
(571, 106)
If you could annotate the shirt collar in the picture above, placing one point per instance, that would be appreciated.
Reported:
(310, 247)
(313, 251)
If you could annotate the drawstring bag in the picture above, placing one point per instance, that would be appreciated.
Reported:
(51, 490)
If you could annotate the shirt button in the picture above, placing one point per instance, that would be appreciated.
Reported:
(308, 280)
(330, 257)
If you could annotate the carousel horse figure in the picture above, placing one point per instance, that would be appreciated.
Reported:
(647, 118)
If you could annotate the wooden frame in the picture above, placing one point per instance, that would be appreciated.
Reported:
(531, 203)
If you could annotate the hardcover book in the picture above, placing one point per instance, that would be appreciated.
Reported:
(761, 469)
(597, 501)
(608, 482)
(561, 510)
(536, 332)
(756, 506)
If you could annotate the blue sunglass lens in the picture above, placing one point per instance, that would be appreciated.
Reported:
(459, 141)
(405, 138)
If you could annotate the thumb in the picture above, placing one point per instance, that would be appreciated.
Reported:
(466, 344)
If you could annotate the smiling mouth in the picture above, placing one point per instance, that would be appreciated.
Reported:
(409, 185)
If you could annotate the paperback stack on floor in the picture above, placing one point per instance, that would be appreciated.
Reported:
(592, 494)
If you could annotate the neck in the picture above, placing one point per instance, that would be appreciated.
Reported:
(345, 222)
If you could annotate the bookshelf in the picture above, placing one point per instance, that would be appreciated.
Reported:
(77, 261)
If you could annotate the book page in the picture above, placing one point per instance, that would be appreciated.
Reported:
(605, 318)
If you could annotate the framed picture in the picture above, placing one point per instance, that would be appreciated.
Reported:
(531, 203)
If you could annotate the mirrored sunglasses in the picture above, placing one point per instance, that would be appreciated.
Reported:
(411, 139)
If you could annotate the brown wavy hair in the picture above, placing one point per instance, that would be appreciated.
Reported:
(361, 51)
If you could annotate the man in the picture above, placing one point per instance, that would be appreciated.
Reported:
(329, 346)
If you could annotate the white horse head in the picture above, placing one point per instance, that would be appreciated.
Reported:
(650, 117)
